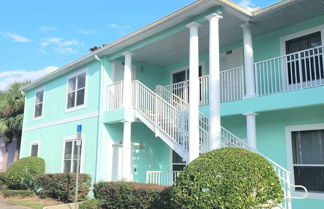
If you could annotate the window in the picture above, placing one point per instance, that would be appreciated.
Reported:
(39, 103)
(34, 150)
(177, 162)
(307, 65)
(71, 156)
(76, 90)
(308, 159)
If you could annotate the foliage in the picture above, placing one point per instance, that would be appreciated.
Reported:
(90, 204)
(11, 113)
(130, 195)
(17, 193)
(61, 186)
(22, 173)
(3, 181)
(227, 178)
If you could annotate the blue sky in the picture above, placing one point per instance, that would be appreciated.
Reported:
(37, 36)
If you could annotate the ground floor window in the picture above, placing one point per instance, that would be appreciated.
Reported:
(177, 162)
(34, 150)
(308, 159)
(71, 156)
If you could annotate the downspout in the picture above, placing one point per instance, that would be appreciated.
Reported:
(99, 115)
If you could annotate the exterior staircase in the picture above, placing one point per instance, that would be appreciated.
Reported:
(166, 115)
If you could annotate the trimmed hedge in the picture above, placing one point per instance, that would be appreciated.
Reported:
(90, 204)
(227, 178)
(61, 186)
(18, 193)
(3, 181)
(21, 174)
(130, 195)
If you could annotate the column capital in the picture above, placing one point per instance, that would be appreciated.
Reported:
(213, 16)
(193, 25)
(250, 114)
(246, 25)
(128, 53)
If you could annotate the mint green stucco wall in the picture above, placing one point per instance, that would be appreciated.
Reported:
(271, 139)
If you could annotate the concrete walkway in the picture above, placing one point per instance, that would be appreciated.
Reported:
(7, 205)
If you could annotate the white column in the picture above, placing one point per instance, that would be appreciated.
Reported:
(127, 90)
(127, 133)
(127, 153)
(251, 129)
(248, 60)
(194, 92)
(214, 83)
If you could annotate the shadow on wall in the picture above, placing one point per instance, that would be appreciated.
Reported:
(7, 156)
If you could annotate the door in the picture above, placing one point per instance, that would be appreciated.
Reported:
(117, 162)
(181, 88)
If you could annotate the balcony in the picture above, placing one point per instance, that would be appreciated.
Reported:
(296, 71)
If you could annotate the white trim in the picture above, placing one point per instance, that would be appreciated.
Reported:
(184, 68)
(288, 130)
(73, 138)
(85, 91)
(43, 102)
(38, 149)
(66, 120)
(283, 39)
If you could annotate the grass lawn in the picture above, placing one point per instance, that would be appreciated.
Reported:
(33, 205)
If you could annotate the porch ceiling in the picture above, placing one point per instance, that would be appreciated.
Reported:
(176, 48)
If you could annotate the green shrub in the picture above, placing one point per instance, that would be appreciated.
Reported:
(17, 193)
(21, 174)
(227, 178)
(130, 195)
(3, 181)
(90, 204)
(62, 186)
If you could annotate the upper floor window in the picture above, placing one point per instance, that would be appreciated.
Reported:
(39, 103)
(76, 90)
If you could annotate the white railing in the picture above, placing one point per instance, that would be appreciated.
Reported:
(303, 69)
(115, 96)
(232, 84)
(166, 178)
(231, 140)
(231, 81)
(182, 105)
(167, 118)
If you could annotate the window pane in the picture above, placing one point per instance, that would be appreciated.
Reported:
(68, 150)
(81, 80)
(75, 166)
(75, 154)
(308, 147)
(72, 84)
(310, 177)
(34, 150)
(80, 97)
(67, 166)
(39, 97)
(38, 110)
(176, 158)
(71, 99)
(178, 167)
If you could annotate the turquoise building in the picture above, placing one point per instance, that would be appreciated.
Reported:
(209, 75)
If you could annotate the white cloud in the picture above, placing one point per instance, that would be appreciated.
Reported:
(120, 28)
(15, 37)
(48, 28)
(246, 3)
(9, 77)
(60, 45)
(86, 32)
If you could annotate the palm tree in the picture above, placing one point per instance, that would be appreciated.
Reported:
(11, 115)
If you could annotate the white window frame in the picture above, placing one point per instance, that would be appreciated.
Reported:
(85, 91)
(38, 150)
(73, 138)
(288, 130)
(42, 116)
